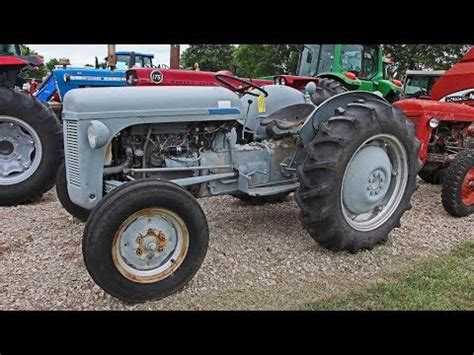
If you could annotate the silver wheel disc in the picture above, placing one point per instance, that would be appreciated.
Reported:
(150, 245)
(374, 182)
(20, 150)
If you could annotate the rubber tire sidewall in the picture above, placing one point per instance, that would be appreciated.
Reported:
(77, 211)
(44, 122)
(114, 209)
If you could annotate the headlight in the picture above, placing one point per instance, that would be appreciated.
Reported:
(434, 122)
(97, 134)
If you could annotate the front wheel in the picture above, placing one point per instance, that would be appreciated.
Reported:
(358, 176)
(145, 240)
(457, 193)
(77, 211)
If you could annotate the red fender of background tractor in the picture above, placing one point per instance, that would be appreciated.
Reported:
(11, 60)
(297, 82)
(181, 77)
(458, 78)
(421, 111)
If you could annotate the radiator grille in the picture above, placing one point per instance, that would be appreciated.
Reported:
(72, 153)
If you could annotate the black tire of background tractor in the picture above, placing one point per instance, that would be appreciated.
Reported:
(112, 211)
(451, 189)
(327, 157)
(44, 122)
(432, 176)
(326, 89)
(393, 97)
(63, 196)
(261, 200)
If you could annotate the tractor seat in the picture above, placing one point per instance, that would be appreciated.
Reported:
(288, 117)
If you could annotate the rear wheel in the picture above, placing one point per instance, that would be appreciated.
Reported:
(31, 146)
(457, 193)
(325, 89)
(432, 173)
(358, 176)
(145, 240)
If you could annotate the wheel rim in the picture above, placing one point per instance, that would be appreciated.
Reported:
(467, 188)
(150, 245)
(20, 150)
(374, 182)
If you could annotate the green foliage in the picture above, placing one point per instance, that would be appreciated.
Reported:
(445, 282)
(210, 57)
(423, 56)
(38, 73)
(258, 60)
(89, 65)
(51, 63)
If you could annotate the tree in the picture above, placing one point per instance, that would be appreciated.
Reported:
(210, 57)
(267, 59)
(51, 63)
(423, 56)
(38, 73)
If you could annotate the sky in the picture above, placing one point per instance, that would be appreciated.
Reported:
(79, 55)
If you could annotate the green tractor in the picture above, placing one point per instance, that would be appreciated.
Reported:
(342, 67)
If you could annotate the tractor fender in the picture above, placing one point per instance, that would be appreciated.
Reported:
(327, 110)
(386, 86)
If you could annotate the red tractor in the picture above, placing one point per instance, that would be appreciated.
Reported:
(31, 138)
(445, 128)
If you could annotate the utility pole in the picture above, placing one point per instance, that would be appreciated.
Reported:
(111, 57)
(174, 56)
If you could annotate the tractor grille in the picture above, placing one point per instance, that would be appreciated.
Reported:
(72, 153)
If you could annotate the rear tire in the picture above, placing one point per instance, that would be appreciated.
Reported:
(157, 212)
(63, 196)
(456, 182)
(321, 196)
(31, 136)
(432, 176)
(325, 89)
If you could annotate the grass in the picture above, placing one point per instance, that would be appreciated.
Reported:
(445, 282)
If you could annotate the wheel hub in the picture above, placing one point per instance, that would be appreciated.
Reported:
(6, 147)
(467, 188)
(19, 150)
(367, 180)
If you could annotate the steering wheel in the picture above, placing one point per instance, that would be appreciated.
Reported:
(242, 90)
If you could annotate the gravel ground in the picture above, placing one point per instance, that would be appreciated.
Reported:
(258, 257)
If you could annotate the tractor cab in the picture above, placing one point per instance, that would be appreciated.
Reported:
(356, 66)
(418, 83)
(362, 61)
(126, 60)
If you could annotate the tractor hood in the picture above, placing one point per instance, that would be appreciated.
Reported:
(170, 104)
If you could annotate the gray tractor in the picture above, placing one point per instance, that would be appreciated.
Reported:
(136, 159)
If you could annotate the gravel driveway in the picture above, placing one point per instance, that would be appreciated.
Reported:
(258, 258)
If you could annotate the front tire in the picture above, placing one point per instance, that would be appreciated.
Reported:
(31, 147)
(457, 193)
(350, 195)
(63, 196)
(145, 240)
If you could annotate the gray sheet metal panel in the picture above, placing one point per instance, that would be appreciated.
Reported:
(327, 109)
(171, 103)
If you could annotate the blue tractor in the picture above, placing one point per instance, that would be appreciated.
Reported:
(64, 78)
(31, 142)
